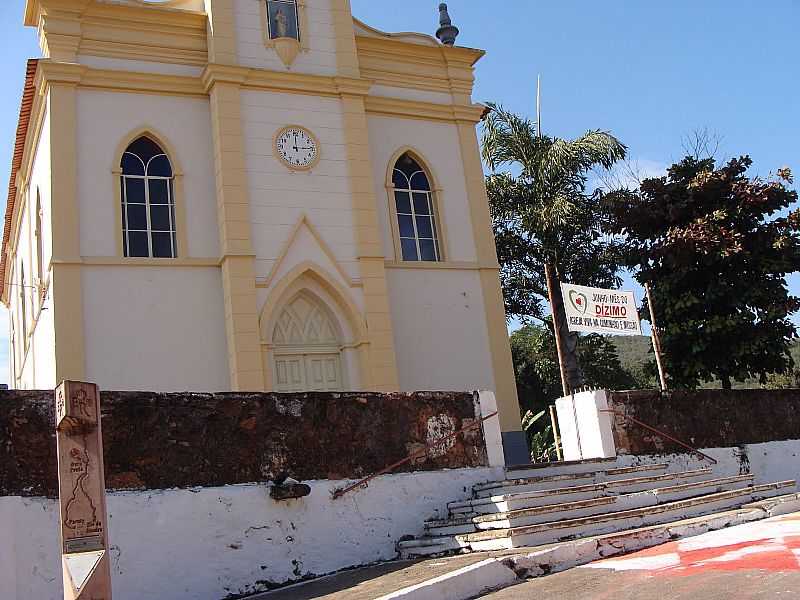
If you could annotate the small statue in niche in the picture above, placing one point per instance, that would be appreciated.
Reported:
(281, 24)
(282, 16)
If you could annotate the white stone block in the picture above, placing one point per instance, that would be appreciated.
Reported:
(586, 430)
(491, 430)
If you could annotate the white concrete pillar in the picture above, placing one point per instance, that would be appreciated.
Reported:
(586, 431)
(491, 430)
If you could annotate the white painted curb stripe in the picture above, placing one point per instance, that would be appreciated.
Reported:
(465, 582)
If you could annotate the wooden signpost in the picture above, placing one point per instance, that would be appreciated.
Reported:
(655, 335)
(82, 493)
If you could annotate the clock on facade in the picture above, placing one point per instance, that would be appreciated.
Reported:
(297, 147)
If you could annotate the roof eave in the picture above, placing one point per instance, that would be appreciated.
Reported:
(26, 106)
(31, 18)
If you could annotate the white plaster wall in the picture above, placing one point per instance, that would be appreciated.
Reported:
(30, 549)
(107, 119)
(24, 275)
(441, 340)
(279, 197)
(155, 328)
(769, 462)
(8, 555)
(43, 342)
(388, 91)
(140, 66)
(43, 347)
(204, 544)
(439, 145)
(38, 369)
(305, 247)
(319, 59)
(15, 352)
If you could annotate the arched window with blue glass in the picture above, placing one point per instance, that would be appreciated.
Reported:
(148, 201)
(415, 207)
(283, 19)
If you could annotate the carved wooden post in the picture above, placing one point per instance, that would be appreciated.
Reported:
(82, 493)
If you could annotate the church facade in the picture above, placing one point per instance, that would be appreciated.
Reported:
(216, 195)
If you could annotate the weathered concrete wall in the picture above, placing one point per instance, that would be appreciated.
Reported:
(223, 542)
(162, 441)
(768, 461)
(192, 517)
(705, 418)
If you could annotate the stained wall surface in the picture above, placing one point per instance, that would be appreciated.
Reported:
(190, 512)
(705, 418)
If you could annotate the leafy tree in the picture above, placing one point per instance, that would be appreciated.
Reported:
(545, 220)
(541, 440)
(789, 379)
(715, 247)
(536, 367)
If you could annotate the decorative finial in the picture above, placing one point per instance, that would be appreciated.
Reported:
(447, 32)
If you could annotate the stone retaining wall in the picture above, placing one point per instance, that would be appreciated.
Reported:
(185, 440)
(705, 418)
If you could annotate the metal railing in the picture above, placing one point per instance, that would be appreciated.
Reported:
(414, 455)
(661, 433)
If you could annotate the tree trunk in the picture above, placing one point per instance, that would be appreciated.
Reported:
(568, 351)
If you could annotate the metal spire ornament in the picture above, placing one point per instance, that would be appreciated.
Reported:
(447, 32)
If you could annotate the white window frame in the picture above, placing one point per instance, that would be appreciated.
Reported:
(432, 214)
(170, 181)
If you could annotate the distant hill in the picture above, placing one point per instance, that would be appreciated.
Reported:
(633, 351)
(636, 356)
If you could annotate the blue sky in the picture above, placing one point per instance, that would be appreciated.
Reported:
(650, 72)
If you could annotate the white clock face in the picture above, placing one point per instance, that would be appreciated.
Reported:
(297, 147)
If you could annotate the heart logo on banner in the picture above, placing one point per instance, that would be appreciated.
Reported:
(579, 301)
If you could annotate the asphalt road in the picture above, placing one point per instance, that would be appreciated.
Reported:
(748, 562)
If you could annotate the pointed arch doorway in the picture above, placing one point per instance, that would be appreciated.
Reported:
(307, 348)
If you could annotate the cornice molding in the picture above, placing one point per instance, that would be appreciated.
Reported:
(398, 64)
(437, 54)
(51, 72)
(278, 81)
(413, 109)
(173, 11)
(133, 31)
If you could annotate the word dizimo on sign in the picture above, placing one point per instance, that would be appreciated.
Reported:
(595, 310)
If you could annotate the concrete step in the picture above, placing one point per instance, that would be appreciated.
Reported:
(600, 506)
(492, 571)
(550, 532)
(584, 508)
(559, 530)
(430, 546)
(530, 484)
(565, 467)
(523, 500)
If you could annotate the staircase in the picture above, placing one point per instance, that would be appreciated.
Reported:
(552, 502)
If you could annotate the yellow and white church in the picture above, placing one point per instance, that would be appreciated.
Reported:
(250, 195)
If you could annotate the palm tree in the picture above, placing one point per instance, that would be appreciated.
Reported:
(546, 225)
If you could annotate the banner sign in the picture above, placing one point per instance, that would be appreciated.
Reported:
(594, 310)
